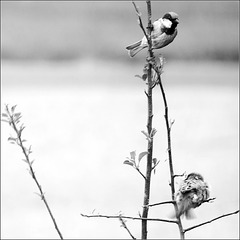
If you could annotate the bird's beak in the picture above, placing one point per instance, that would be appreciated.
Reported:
(176, 20)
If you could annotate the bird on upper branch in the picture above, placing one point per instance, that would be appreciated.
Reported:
(163, 32)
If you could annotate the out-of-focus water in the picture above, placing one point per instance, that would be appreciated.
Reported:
(82, 121)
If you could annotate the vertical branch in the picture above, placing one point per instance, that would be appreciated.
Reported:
(169, 149)
(149, 128)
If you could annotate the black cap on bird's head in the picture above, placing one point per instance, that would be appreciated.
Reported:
(172, 16)
(195, 176)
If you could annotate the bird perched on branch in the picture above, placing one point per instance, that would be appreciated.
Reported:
(164, 31)
(193, 191)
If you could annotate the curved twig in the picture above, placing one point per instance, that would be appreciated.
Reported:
(214, 219)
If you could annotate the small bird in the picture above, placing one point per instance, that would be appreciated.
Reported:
(193, 191)
(164, 31)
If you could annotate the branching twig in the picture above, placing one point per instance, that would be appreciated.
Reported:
(124, 225)
(13, 119)
(128, 217)
(214, 219)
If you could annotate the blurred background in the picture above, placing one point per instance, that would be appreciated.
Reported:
(65, 66)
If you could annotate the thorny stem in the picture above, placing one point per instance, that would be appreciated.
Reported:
(149, 128)
(32, 173)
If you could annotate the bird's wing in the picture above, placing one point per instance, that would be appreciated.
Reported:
(188, 185)
(195, 186)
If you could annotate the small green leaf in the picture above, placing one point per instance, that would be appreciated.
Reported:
(154, 161)
(133, 155)
(4, 115)
(153, 132)
(141, 155)
(145, 69)
(128, 162)
(145, 133)
(13, 108)
(17, 115)
(144, 77)
(12, 139)
(4, 120)
(138, 76)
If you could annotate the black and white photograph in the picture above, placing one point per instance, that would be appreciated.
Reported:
(119, 119)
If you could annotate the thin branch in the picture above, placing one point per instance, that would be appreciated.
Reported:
(161, 203)
(154, 167)
(214, 219)
(139, 19)
(209, 200)
(173, 202)
(178, 175)
(141, 173)
(13, 121)
(169, 149)
(125, 226)
(128, 217)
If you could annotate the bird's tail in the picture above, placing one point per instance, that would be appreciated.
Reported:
(185, 209)
(134, 48)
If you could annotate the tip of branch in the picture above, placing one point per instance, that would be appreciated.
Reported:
(136, 9)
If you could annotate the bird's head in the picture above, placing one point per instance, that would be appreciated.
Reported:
(195, 176)
(172, 16)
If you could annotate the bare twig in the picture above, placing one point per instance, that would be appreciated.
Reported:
(178, 175)
(141, 173)
(13, 120)
(173, 202)
(128, 217)
(209, 200)
(139, 19)
(214, 219)
(169, 149)
(161, 203)
(154, 167)
(125, 226)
